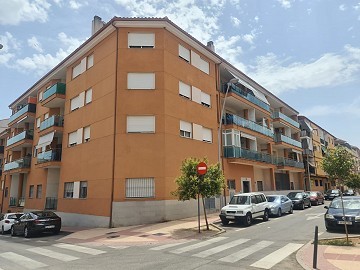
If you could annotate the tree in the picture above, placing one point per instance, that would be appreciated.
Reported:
(353, 182)
(339, 165)
(190, 184)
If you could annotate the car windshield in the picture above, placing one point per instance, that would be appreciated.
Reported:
(293, 195)
(272, 198)
(348, 204)
(240, 200)
(14, 216)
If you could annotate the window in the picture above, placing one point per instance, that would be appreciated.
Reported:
(231, 184)
(79, 68)
(6, 192)
(205, 99)
(40, 96)
(141, 40)
(140, 188)
(184, 90)
(68, 189)
(83, 189)
(46, 116)
(87, 134)
(38, 122)
(90, 61)
(88, 96)
(141, 124)
(184, 53)
(185, 129)
(38, 191)
(74, 103)
(316, 182)
(199, 63)
(196, 95)
(31, 191)
(73, 138)
(144, 81)
(197, 132)
(260, 185)
(321, 183)
(207, 135)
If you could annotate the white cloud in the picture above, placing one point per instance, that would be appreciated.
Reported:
(35, 44)
(229, 49)
(285, 3)
(280, 75)
(256, 19)
(249, 38)
(9, 43)
(16, 11)
(235, 21)
(309, 11)
(76, 5)
(342, 7)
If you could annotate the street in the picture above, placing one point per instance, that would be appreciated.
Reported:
(264, 245)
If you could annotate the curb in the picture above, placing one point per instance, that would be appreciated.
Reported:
(300, 260)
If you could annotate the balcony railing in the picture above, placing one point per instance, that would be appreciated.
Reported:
(282, 138)
(286, 118)
(28, 108)
(51, 203)
(12, 201)
(26, 134)
(55, 120)
(240, 92)
(308, 152)
(58, 88)
(238, 152)
(52, 155)
(18, 164)
(239, 121)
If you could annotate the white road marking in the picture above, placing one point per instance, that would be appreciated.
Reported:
(314, 216)
(237, 230)
(53, 254)
(277, 256)
(119, 247)
(220, 248)
(166, 246)
(82, 249)
(25, 262)
(198, 245)
(237, 256)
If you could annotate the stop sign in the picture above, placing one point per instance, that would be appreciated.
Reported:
(201, 168)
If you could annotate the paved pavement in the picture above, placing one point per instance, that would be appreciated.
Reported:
(329, 257)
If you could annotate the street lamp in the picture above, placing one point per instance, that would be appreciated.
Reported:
(232, 81)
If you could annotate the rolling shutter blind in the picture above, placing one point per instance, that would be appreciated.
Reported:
(90, 61)
(74, 103)
(86, 134)
(88, 96)
(76, 190)
(184, 53)
(45, 140)
(197, 132)
(185, 126)
(205, 99)
(81, 99)
(184, 90)
(196, 94)
(142, 124)
(72, 138)
(79, 136)
(207, 135)
(139, 40)
(201, 64)
(141, 81)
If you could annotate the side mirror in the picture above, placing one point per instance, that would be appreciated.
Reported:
(326, 207)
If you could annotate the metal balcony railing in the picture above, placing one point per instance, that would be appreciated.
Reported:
(281, 161)
(51, 155)
(51, 203)
(12, 201)
(308, 152)
(282, 138)
(239, 121)
(58, 88)
(54, 120)
(18, 164)
(26, 134)
(27, 108)
(286, 118)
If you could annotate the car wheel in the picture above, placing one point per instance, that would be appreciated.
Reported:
(309, 204)
(317, 203)
(266, 215)
(291, 210)
(12, 231)
(279, 213)
(26, 232)
(248, 219)
(224, 221)
(303, 206)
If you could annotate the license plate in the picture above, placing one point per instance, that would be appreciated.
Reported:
(230, 217)
(343, 222)
(50, 227)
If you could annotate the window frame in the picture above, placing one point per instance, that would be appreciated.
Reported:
(68, 190)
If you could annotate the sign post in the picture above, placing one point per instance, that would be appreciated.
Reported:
(201, 170)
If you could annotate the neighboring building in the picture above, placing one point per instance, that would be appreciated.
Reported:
(353, 150)
(316, 141)
(100, 138)
(3, 136)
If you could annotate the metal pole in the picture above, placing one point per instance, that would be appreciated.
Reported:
(315, 248)
(199, 211)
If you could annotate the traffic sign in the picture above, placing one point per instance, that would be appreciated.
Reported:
(201, 168)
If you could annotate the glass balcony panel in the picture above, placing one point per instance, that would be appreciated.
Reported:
(18, 164)
(282, 138)
(52, 155)
(58, 88)
(26, 134)
(28, 108)
(55, 120)
(285, 118)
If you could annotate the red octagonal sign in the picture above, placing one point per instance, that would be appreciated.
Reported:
(201, 168)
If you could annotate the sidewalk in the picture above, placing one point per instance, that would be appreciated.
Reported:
(329, 257)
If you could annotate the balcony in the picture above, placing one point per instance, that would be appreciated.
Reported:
(29, 108)
(281, 161)
(19, 164)
(51, 203)
(305, 133)
(53, 121)
(308, 152)
(282, 138)
(54, 97)
(240, 92)
(49, 156)
(279, 115)
(238, 152)
(239, 121)
(25, 135)
(12, 201)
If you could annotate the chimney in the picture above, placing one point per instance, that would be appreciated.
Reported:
(211, 46)
(97, 24)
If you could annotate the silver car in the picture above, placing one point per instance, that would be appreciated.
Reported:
(7, 220)
(279, 204)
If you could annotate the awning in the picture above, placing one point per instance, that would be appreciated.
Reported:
(297, 151)
(308, 125)
(45, 140)
(257, 93)
(244, 135)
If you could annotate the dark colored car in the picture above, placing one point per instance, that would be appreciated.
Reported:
(316, 197)
(34, 222)
(334, 214)
(330, 194)
(300, 199)
(349, 192)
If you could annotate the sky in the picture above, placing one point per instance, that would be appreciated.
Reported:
(307, 52)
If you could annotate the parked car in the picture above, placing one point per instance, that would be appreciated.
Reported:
(316, 197)
(330, 194)
(36, 222)
(279, 204)
(334, 214)
(244, 207)
(300, 199)
(349, 192)
(6, 221)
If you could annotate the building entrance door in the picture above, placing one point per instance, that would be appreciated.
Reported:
(246, 186)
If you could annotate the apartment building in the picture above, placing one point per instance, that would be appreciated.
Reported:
(101, 137)
(353, 150)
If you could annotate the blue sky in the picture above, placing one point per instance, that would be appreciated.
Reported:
(305, 51)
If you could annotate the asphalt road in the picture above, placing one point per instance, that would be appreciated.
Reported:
(264, 245)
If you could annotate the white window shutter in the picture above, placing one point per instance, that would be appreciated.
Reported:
(90, 61)
(141, 124)
(81, 99)
(86, 133)
(88, 96)
(76, 71)
(83, 65)
(140, 40)
(74, 103)
(201, 64)
(79, 136)
(38, 122)
(205, 99)
(141, 81)
(76, 190)
(184, 89)
(41, 96)
(207, 135)
(197, 131)
(196, 94)
(185, 126)
(184, 53)
(46, 116)
(72, 138)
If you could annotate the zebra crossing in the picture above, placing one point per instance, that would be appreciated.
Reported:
(45, 256)
(224, 249)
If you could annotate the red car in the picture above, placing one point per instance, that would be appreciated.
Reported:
(316, 197)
